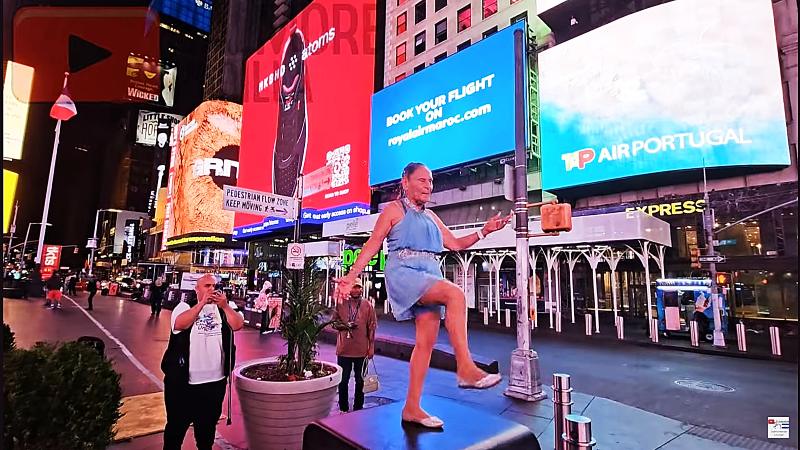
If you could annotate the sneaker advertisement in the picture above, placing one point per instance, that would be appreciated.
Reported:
(307, 113)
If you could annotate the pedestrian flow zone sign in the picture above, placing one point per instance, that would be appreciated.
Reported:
(258, 203)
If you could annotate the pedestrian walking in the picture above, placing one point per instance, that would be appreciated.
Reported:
(54, 285)
(72, 284)
(197, 362)
(91, 286)
(356, 322)
(157, 296)
(417, 290)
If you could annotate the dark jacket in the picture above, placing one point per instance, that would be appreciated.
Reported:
(157, 292)
(54, 282)
(175, 363)
(91, 285)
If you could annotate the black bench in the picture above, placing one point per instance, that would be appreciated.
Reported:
(381, 428)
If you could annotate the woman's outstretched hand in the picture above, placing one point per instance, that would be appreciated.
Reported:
(496, 222)
(343, 287)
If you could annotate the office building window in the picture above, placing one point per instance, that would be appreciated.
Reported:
(440, 57)
(419, 12)
(463, 45)
(419, 67)
(489, 32)
(399, 77)
(489, 8)
(400, 54)
(439, 4)
(441, 31)
(517, 18)
(419, 43)
(464, 18)
(401, 23)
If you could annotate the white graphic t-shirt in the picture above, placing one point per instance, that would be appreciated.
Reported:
(205, 344)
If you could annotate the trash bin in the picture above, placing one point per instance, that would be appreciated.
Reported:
(94, 342)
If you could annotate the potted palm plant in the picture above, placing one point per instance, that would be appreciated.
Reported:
(279, 396)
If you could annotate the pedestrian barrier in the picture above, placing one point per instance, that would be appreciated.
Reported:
(578, 435)
(508, 318)
(694, 333)
(588, 324)
(558, 323)
(486, 316)
(654, 330)
(620, 327)
(741, 337)
(562, 406)
(775, 339)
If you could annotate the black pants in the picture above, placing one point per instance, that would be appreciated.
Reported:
(192, 404)
(351, 365)
(71, 290)
(264, 320)
(155, 306)
(91, 297)
(703, 325)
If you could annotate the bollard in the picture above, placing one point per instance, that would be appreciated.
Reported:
(741, 337)
(562, 406)
(620, 328)
(694, 333)
(558, 323)
(486, 316)
(775, 339)
(578, 434)
(588, 324)
(508, 318)
(654, 330)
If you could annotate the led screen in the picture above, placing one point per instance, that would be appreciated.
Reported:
(678, 86)
(455, 111)
(17, 85)
(306, 111)
(196, 13)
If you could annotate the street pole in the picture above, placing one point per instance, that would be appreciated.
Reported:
(25, 244)
(94, 237)
(708, 225)
(524, 376)
(12, 229)
(46, 209)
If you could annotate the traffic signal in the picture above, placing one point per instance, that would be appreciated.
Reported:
(694, 256)
(556, 217)
(723, 278)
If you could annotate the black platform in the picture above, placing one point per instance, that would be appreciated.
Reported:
(380, 428)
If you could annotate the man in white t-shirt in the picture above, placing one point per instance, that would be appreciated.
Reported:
(197, 363)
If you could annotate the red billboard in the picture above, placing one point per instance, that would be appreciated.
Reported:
(307, 112)
(51, 258)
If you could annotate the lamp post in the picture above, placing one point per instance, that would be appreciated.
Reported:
(94, 237)
(25, 244)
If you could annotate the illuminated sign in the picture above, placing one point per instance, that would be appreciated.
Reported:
(458, 110)
(151, 80)
(204, 158)
(197, 239)
(349, 257)
(621, 101)
(9, 192)
(51, 257)
(669, 209)
(306, 106)
(196, 13)
(147, 127)
(17, 85)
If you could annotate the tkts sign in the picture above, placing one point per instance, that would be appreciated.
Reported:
(51, 258)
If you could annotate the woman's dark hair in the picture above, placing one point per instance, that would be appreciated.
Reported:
(410, 168)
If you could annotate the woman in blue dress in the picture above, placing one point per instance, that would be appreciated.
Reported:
(417, 290)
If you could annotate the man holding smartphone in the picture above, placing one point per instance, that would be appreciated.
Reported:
(198, 360)
(356, 322)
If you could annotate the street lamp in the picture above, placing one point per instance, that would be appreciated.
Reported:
(94, 237)
(25, 244)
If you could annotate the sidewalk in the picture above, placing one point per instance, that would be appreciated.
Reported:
(615, 425)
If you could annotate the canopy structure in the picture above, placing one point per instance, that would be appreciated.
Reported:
(596, 238)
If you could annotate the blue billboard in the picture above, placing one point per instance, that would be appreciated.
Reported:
(196, 13)
(682, 85)
(461, 109)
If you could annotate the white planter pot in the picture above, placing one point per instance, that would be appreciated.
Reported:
(276, 413)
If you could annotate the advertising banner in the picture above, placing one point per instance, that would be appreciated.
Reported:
(196, 13)
(151, 80)
(51, 258)
(17, 84)
(205, 157)
(10, 180)
(152, 125)
(456, 111)
(307, 102)
(678, 86)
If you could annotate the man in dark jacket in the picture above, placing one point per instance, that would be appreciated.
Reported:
(91, 288)
(197, 363)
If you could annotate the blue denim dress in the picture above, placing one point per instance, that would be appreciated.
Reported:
(412, 267)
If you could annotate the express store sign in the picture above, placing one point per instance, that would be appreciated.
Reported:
(307, 110)
(51, 258)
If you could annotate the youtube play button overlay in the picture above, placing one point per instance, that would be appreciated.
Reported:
(92, 43)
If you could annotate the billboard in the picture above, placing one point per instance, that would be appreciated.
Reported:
(150, 80)
(150, 127)
(204, 158)
(678, 86)
(306, 111)
(17, 84)
(455, 111)
(196, 13)
(9, 193)
(51, 258)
